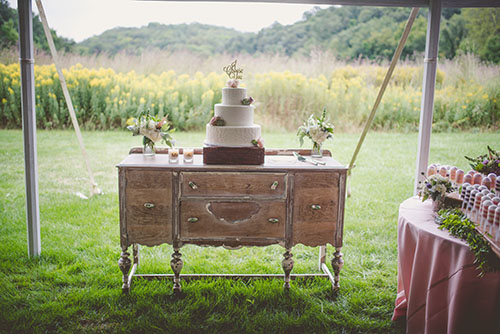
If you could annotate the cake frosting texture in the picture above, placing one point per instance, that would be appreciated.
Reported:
(239, 129)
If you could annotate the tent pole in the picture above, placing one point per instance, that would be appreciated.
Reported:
(429, 83)
(29, 125)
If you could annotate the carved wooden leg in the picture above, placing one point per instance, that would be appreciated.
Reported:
(287, 265)
(176, 265)
(337, 264)
(124, 264)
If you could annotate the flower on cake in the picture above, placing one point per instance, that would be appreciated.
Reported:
(152, 128)
(233, 83)
(259, 142)
(217, 121)
(317, 129)
(247, 101)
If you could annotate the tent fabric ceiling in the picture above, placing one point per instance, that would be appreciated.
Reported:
(375, 3)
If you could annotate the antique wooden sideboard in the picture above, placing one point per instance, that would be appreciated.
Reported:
(284, 201)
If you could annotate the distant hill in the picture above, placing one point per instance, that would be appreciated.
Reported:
(195, 37)
(347, 32)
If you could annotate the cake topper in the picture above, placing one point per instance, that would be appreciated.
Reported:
(233, 72)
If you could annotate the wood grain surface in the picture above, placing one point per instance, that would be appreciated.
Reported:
(239, 219)
(231, 184)
(315, 207)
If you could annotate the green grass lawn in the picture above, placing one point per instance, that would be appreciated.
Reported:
(75, 285)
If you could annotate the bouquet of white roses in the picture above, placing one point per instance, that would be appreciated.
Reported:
(318, 129)
(152, 128)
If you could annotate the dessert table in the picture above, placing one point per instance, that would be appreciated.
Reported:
(439, 290)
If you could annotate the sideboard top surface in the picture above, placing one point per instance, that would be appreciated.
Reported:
(271, 162)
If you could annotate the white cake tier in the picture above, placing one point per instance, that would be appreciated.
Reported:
(235, 115)
(233, 96)
(232, 136)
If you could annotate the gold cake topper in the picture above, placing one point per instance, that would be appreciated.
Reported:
(233, 72)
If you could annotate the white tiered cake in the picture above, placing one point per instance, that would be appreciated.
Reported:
(232, 124)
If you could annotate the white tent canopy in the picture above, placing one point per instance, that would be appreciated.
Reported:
(28, 87)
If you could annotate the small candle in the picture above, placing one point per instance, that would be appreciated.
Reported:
(496, 222)
(493, 179)
(471, 172)
(491, 216)
(496, 200)
(188, 154)
(477, 178)
(468, 178)
(477, 206)
(485, 192)
(453, 173)
(173, 155)
(481, 188)
(466, 195)
(497, 185)
(460, 177)
(484, 213)
(431, 170)
(443, 171)
(470, 204)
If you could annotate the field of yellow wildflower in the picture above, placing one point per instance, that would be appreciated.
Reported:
(105, 98)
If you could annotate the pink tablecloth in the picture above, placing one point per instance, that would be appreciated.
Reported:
(439, 290)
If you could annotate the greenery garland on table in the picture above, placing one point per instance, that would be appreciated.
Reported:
(458, 225)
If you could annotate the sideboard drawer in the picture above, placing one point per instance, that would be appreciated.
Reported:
(147, 179)
(148, 207)
(234, 184)
(315, 208)
(232, 219)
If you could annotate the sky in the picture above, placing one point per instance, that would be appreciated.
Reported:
(80, 19)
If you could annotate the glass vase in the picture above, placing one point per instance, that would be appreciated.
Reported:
(316, 151)
(149, 147)
(437, 205)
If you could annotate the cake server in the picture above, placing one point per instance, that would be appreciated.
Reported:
(303, 159)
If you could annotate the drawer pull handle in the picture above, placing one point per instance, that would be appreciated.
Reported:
(273, 220)
(316, 207)
(193, 185)
(192, 220)
(274, 185)
(149, 205)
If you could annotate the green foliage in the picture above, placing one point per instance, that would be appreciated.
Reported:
(483, 27)
(8, 25)
(9, 28)
(461, 227)
(486, 163)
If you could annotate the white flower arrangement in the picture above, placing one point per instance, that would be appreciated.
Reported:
(152, 128)
(318, 129)
(435, 187)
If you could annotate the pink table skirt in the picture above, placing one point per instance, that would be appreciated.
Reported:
(439, 290)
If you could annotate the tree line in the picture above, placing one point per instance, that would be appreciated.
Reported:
(347, 32)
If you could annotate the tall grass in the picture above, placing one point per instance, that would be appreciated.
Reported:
(106, 92)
